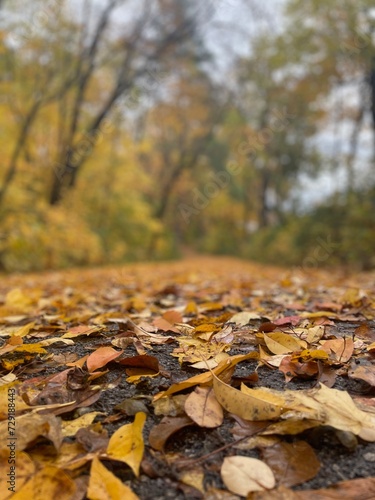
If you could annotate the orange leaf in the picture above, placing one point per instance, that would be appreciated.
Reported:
(101, 357)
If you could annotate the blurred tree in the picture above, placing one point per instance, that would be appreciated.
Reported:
(277, 127)
(86, 70)
(332, 44)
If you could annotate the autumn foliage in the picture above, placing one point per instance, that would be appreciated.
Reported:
(135, 135)
(208, 377)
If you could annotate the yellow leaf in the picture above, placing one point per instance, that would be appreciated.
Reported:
(174, 406)
(53, 340)
(126, 444)
(194, 478)
(17, 299)
(50, 482)
(243, 318)
(22, 332)
(30, 348)
(211, 363)
(313, 334)
(70, 427)
(133, 379)
(337, 409)
(7, 379)
(202, 407)
(104, 485)
(191, 308)
(282, 343)
(310, 354)
(24, 468)
(318, 314)
(32, 425)
(9, 393)
(250, 405)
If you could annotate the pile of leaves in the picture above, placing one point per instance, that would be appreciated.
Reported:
(207, 378)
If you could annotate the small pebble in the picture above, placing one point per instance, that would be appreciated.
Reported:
(369, 457)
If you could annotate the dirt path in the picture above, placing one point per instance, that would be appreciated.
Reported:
(205, 378)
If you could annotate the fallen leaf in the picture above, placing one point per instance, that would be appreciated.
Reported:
(287, 320)
(126, 444)
(164, 325)
(318, 314)
(173, 317)
(70, 427)
(17, 299)
(282, 343)
(361, 489)
(364, 331)
(101, 357)
(24, 330)
(31, 426)
(210, 363)
(363, 372)
(24, 468)
(104, 485)
(335, 408)
(242, 475)
(206, 378)
(194, 478)
(168, 426)
(77, 331)
(256, 405)
(339, 350)
(49, 482)
(292, 463)
(243, 318)
(202, 407)
(171, 406)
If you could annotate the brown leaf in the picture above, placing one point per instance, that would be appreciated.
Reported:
(173, 317)
(168, 426)
(363, 372)
(339, 350)
(164, 325)
(364, 331)
(292, 463)
(142, 361)
(267, 327)
(359, 489)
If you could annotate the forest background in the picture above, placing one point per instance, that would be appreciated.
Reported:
(144, 130)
